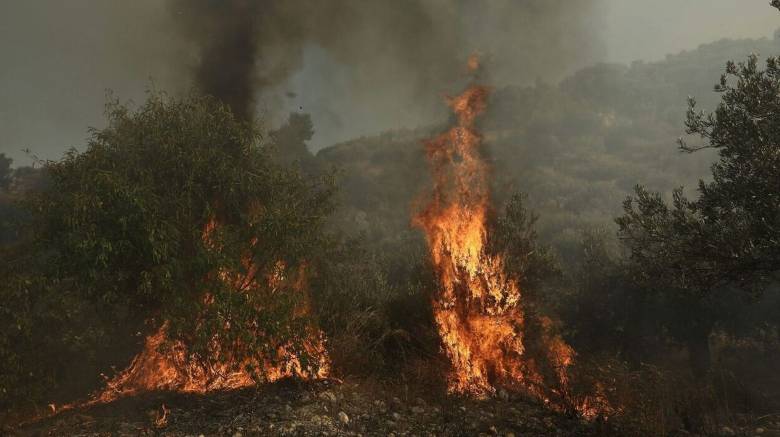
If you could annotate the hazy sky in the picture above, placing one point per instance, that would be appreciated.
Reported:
(650, 29)
(57, 58)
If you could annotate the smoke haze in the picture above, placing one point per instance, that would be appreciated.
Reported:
(359, 67)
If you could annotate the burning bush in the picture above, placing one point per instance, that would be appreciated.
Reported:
(173, 214)
(487, 331)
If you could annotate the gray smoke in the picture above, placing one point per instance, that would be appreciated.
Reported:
(358, 66)
(363, 66)
(412, 47)
(227, 35)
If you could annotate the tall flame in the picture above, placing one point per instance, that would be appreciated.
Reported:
(478, 309)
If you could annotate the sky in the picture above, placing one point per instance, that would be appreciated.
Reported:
(650, 29)
(58, 58)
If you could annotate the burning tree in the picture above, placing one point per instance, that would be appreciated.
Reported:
(174, 222)
(479, 308)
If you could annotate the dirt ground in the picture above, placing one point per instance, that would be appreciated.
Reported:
(322, 408)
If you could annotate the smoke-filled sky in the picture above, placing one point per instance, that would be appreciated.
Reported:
(650, 29)
(358, 67)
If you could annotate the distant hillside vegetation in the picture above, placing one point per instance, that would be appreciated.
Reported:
(575, 148)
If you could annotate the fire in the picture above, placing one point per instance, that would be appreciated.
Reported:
(479, 308)
(169, 365)
(166, 365)
(473, 62)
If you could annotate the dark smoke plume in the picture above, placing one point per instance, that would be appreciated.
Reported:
(357, 66)
(227, 40)
(410, 48)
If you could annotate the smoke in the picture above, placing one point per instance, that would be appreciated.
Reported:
(58, 58)
(358, 66)
(246, 48)
(384, 57)
(227, 38)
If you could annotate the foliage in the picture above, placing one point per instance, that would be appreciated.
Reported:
(605, 312)
(576, 148)
(115, 244)
(5, 171)
(289, 142)
(730, 235)
(514, 236)
(137, 229)
(6, 211)
(375, 307)
(698, 254)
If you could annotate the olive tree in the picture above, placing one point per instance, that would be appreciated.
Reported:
(728, 238)
(139, 229)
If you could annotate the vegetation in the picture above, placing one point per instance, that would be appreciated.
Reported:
(131, 233)
(660, 306)
(671, 306)
(728, 237)
(576, 149)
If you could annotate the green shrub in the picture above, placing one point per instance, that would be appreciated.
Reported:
(115, 246)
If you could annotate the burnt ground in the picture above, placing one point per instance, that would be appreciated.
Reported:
(323, 408)
(332, 408)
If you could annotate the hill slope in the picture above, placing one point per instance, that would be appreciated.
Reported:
(576, 148)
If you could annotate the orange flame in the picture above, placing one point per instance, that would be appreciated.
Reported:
(478, 309)
(169, 365)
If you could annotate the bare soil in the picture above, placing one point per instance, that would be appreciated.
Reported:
(322, 408)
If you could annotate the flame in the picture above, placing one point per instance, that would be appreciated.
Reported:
(473, 63)
(479, 309)
(169, 365)
(161, 418)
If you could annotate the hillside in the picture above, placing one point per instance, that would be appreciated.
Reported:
(181, 275)
(576, 148)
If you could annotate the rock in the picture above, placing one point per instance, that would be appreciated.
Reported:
(343, 418)
(418, 410)
(396, 416)
(328, 396)
(726, 431)
(760, 430)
